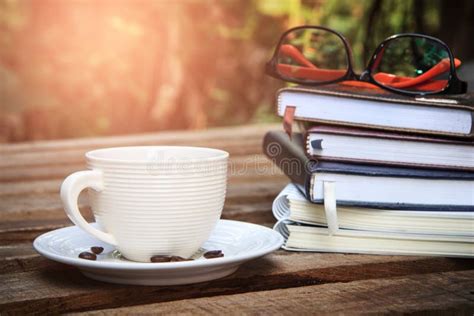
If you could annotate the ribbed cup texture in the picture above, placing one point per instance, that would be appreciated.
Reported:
(159, 208)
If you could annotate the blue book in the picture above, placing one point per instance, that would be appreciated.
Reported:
(372, 186)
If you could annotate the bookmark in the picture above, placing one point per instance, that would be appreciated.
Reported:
(288, 118)
(330, 206)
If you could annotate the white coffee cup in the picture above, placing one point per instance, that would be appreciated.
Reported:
(150, 200)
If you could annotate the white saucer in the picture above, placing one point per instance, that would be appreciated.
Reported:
(238, 241)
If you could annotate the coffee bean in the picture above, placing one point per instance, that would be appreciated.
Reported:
(213, 254)
(160, 258)
(87, 255)
(97, 250)
(178, 259)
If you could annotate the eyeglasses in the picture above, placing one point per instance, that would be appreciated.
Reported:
(411, 64)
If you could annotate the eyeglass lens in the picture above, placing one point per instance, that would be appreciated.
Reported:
(412, 64)
(312, 55)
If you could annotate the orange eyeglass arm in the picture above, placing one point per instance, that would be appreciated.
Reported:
(405, 82)
(309, 71)
(293, 52)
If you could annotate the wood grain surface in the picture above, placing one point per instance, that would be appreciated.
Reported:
(280, 283)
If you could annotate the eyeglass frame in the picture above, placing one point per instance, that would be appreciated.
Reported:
(454, 84)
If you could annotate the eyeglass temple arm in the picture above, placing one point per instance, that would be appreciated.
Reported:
(293, 52)
(309, 70)
(317, 73)
(403, 82)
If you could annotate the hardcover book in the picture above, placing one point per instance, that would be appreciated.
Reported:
(339, 104)
(337, 143)
(371, 185)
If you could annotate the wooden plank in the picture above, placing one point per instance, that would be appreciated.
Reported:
(239, 166)
(28, 187)
(16, 251)
(37, 187)
(165, 137)
(237, 147)
(26, 231)
(25, 207)
(54, 289)
(33, 206)
(24, 217)
(21, 258)
(449, 292)
(38, 173)
(21, 231)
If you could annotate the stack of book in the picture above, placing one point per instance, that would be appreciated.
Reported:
(375, 172)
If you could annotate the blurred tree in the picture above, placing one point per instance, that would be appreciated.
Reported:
(457, 27)
(102, 67)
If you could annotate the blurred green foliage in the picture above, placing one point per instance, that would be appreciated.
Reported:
(103, 67)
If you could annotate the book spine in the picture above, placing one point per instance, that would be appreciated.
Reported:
(290, 158)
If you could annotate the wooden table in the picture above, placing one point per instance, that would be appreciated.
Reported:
(280, 283)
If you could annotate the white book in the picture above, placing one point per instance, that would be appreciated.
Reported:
(343, 105)
(292, 205)
(367, 146)
(308, 238)
(363, 230)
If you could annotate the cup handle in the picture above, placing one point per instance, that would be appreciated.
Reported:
(70, 190)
